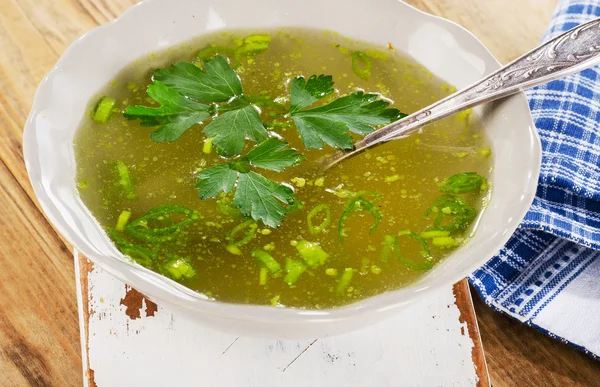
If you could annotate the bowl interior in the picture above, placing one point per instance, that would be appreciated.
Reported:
(449, 51)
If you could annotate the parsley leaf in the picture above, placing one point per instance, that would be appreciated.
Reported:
(255, 195)
(179, 87)
(358, 111)
(329, 124)
(271, 155)
(175, 115)
(261, 198)
(229, 130)
(218, 83)
(304, 93)
(318, 131)
(214, 180)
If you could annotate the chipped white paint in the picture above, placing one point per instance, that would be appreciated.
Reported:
(426, 346)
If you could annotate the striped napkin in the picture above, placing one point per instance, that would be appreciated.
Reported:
(548, 274)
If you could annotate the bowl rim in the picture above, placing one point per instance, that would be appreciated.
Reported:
(257, 313)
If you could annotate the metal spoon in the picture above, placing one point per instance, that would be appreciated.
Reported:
(573, 51)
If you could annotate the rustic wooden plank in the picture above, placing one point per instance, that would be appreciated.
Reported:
(519, 355)
(33, 34)
(464, 303)
(38, 325)
(129, 340)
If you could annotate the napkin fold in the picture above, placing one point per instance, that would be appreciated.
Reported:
(548, 274)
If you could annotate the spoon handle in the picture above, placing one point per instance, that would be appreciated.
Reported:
(573, 51)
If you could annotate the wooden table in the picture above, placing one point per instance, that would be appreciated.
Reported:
(39, 330)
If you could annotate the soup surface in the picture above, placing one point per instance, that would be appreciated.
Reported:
(188, 170)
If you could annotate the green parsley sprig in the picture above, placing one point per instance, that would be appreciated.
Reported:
(194, 93)
(329, 124)
(186, 91)
(255, 195)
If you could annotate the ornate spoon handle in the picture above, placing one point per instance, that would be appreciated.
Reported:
(568, 53)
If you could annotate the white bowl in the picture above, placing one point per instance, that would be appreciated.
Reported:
(448, 50)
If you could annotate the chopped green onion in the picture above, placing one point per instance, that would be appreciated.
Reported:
(252, 48)
(207, 147)
(275, 301)
(375, 269)
(387, 249)
(428, 264)
(125, 180)
(331, 272)
(344, 281)
(484, 152)
(122, 221)
(361, 64)
(462, 183)
(266, 260)
(179, 268)
(430, 234)
(258, 38)
(254, 44)
(141, 229)
(358, 204)
(312, 253)
(233, 249)
(294, 269)
(138, 254)
(318, 209)
(263, 275)
(211, 51)
(445, 242)
(300, 182)
(369, 195)
(104, 110)
(455, 207)
(364, 267)
(248, 235)
(250, 45)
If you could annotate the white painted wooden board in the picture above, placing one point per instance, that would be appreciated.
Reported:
(426, 346)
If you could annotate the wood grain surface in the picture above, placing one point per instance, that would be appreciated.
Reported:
(39, 337)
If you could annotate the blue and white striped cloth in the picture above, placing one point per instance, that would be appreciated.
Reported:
(548, 274)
